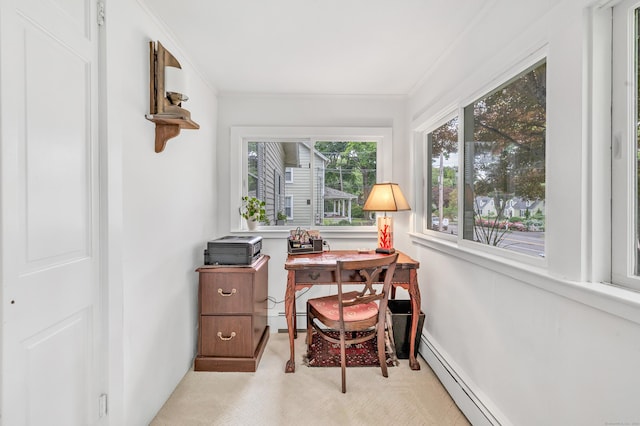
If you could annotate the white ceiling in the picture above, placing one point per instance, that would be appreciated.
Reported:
(354, 47)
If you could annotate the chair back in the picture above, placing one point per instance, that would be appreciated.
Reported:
(370, 270)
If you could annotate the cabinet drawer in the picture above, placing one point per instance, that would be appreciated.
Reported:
(226, 294)
(226, 336)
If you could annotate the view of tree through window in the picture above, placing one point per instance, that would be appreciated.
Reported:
(324, 184)
(504, 181)
(442, 201)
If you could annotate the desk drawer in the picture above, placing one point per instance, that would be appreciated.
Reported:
(402, 276)
(320, 277)
(228, 294)
(326, 277)
(226, 336)
(310, 276)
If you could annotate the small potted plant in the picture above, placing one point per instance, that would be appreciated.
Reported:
(281, 218)
(253, 211)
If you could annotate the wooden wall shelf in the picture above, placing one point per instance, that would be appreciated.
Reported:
(167, 114)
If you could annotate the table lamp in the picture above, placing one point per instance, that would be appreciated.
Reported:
(385, 197)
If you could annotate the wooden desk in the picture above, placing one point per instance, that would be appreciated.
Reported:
(306, 270)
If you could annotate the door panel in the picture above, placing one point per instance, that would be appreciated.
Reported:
(57, 143)
(53, 347)
(65, 346)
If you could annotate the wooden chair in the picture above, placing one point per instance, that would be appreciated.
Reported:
(355, 310)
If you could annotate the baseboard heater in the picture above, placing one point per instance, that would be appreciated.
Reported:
(298, 315)
(468, 402)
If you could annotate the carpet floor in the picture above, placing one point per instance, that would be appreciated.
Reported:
(271, 397)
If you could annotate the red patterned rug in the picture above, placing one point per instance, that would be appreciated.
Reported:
(326, 354)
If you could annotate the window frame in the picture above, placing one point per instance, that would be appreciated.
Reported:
(624, 147)
(430, 123)
(583, 276)
(241, 135)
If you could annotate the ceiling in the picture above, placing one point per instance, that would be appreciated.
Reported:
(348, 47)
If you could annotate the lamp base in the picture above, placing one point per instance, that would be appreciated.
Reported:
(385, 250)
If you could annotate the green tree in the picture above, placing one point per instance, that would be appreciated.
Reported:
(449, 181)
(510, 125)
(444, 140)
(351, 166)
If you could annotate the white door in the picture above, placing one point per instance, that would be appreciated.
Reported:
(52, 356)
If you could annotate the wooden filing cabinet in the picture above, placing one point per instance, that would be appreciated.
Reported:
(233, 330)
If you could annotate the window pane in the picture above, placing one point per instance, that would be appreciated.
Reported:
(504, 200)
(624, 224)
(345, 173)
(442, 201)
(637, 139)
(264, 179)
(252, 178)
(288, 206)
(323, 184)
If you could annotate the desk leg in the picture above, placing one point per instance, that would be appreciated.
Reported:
(414, 293)
(289, 312)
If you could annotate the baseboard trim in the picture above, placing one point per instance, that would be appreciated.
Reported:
(465, 398)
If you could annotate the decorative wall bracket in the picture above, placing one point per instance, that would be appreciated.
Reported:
(165, 104)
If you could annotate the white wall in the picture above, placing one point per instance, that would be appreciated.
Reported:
(534, 345)
(320, 111)
(162, 212)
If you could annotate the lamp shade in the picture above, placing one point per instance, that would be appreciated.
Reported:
(386, 197)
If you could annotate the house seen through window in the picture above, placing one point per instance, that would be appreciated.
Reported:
(324, 183)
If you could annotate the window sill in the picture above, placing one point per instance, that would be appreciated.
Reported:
(622, 302)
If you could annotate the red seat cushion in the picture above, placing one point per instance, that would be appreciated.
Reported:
(328, 306)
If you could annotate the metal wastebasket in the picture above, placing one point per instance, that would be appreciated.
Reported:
(401, 323)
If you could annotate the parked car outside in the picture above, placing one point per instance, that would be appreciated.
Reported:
(435, 223)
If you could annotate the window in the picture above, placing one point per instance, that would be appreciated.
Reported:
(334, 172)
(288, 206)
(504, 165)
(442, 180)
(625, 167)
(333, 180)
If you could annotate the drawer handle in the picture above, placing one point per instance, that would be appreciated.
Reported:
(221, 337)
(222, 293)
(314, 275)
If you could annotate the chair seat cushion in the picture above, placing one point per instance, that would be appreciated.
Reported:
(328, 307)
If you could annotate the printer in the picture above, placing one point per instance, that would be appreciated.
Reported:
(233, 250)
